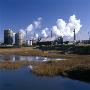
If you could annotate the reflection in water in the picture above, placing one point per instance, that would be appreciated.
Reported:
(27, 58)
(23, 79)
(31, 67)
(21, 58)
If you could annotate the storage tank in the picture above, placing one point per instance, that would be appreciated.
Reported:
(27, 43)
(18, 39)
(8, 37)
(30, 42)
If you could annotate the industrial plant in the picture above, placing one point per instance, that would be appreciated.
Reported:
(18, 40)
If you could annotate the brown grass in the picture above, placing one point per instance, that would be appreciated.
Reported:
(51, 68)
(12, 65)
(28, 51)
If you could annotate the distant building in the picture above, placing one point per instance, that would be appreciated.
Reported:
(85, 41)
(8, 37)
(50, 41)
(59, 40)
(18, 39)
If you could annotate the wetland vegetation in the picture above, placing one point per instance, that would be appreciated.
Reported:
(74, 66)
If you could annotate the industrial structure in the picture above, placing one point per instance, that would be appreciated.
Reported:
(48, 41)
(74, 35)
(8, 37)
(18, 39)
(51, 33)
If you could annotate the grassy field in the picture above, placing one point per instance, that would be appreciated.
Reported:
(29, 51)
(76, 68)
(58, 67)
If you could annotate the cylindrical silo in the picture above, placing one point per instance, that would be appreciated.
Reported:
(8, 37)
(30, 42)
(18, 39)
(27, 43)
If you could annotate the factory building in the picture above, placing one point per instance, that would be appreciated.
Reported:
(50, 41)
(8, 37)
(59, 40)
(18, 39)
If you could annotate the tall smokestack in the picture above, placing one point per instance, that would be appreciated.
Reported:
(74, 35)
(26, 34)
(51, 33)
(89, 35)
(34, 34)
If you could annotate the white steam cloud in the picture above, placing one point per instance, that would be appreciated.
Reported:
(37, 23)
(44, 32)
(32, 27)
(66, 29)
(36, 36)
(60, 29)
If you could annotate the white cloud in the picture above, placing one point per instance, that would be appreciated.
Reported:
(60, 29)
(37, 23)
(66, 29)
(29, 28)
(36, 35)
(44, 34)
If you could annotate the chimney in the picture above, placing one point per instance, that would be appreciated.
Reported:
(51, 33)
(74, 35)
(26, 35)
(89, 35)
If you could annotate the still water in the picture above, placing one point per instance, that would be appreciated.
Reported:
(23, 79)
(27, 58)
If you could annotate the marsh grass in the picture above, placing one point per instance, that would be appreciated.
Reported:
(74, 66)
(9, 65)
(54, 68)
(29, 51)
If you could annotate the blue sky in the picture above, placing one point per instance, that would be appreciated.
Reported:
(17, 14)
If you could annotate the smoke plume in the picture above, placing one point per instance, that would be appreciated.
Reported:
(31, 28)
(44, 32)
(60, 29)
(66, 29)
